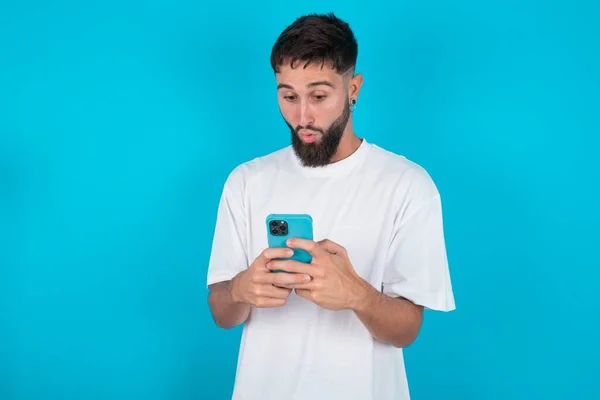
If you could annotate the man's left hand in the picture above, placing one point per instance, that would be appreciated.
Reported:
(335, 285)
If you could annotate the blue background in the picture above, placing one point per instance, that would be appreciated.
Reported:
(119, 122)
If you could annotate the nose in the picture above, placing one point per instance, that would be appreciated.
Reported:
(306, 116)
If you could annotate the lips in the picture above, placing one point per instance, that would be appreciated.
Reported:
(308, 136)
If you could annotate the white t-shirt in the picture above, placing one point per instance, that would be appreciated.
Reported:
(386, 211)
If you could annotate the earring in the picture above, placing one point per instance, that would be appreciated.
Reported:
(352, 104)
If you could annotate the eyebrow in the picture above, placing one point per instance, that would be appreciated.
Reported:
(312, 84)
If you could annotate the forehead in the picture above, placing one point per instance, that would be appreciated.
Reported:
(301, 77)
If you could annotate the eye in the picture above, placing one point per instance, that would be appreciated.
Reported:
(319, 97)
(290, 97)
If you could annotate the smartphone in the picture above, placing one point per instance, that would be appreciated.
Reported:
(281, 227)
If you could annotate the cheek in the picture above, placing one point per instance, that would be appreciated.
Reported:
(327, 112)
(289, 112)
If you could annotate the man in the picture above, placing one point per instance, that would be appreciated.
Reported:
(333, 328)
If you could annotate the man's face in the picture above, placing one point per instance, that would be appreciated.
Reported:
(314, 104)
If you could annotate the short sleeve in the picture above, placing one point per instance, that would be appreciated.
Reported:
(228, 255)
(417, 266)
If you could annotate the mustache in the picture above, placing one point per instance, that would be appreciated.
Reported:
(308, 128)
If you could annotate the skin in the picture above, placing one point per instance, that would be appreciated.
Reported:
(315, 96)
(231, 301)
(335, 285)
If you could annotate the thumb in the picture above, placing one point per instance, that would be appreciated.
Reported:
(332, 247)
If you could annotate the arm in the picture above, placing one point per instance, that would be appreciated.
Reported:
(235, 288)
(231, 301)
(226, 312)
(417, 269)
(335, 285)
(391, 320)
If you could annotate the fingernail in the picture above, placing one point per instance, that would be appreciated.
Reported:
(306, 278)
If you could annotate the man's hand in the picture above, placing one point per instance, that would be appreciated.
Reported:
(335, 285)
(260, 287)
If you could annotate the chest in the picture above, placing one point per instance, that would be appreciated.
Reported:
(356, 213)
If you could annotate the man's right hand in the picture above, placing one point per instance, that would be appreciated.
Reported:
(258, 285)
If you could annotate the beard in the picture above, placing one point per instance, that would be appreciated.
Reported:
(319, 153)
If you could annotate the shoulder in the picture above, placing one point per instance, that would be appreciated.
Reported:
(249, 171)
(409, 177)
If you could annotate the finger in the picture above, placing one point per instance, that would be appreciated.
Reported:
(305, 293)
(279, 278)
(274, 292)
(277, 252)
(283, 279)
(294, 266)
(332, 247)
(271, 253)
(310, 286)
(268, 302)
(309, 245)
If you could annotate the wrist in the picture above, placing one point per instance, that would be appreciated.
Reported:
(363, 296)
(233, 290)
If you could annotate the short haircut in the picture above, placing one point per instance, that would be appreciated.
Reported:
(316, 38)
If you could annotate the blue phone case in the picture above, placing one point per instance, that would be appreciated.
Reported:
(281, 227)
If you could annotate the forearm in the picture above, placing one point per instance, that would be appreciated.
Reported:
(226, 312)
(394, 321)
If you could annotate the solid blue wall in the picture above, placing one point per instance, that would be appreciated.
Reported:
(119, 123)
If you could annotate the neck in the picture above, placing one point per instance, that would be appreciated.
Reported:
(348, 145)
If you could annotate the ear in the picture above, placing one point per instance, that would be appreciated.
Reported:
(354, 86)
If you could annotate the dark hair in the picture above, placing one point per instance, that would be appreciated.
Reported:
(320, 38)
